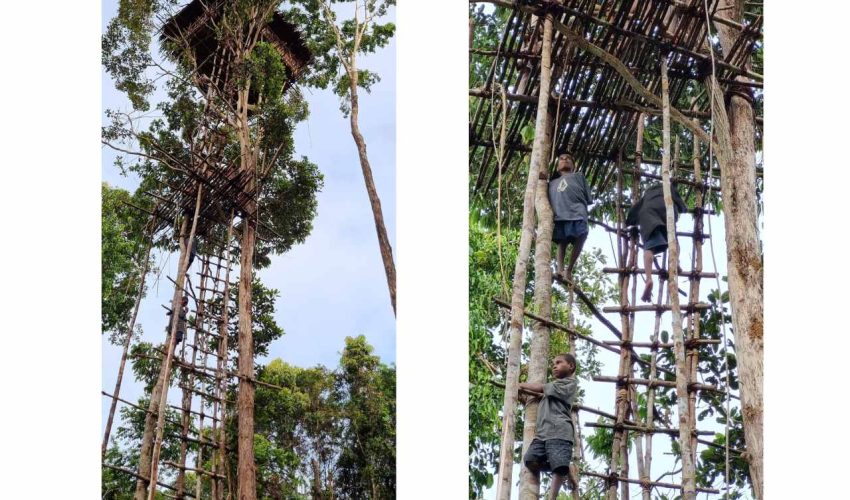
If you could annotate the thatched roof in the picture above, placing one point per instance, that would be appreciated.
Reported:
(193, 27)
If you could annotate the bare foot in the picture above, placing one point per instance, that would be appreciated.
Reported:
(647, 292)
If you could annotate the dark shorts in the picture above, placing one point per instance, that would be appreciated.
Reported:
(657, 241)
(552, 455)
(569, 231)
(178, 336)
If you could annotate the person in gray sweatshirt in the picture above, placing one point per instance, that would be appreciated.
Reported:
(569, 197)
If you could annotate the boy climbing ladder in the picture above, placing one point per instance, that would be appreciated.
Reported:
(650, 215)
(569, 197)
(552, 447)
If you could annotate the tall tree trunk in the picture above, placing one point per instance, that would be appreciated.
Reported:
(377, 212)
(247, 482)
(317, 479)
(744, 258)
(682, 372)
(156, 391)
(538, 157)
(246, 474)
(529, 482)
(130, 327)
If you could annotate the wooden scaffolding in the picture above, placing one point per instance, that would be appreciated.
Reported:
(199, 202)
(613, 64)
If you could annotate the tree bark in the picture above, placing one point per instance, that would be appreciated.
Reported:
(682, 372)
(529, 482)
(156, 391)
(744, 259)
(246, 472)
(538, 157)
(130, 327)
(374, 200)
(317, 479)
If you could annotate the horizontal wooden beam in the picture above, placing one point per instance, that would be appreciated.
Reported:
(139, 476)
(693, 386)
(657, 272)
(659, 345)
(645, 430)
(654, 484)
(699, 306)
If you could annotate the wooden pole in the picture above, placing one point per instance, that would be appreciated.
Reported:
(166, 366)
(222, 366)
(619, 456)
(130, 327)
(151, 418)
(696, 264)
(188, 380)
(538, 363)
(506, 455)
(682, 373)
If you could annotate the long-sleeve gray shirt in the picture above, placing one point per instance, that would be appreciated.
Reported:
(569, 196)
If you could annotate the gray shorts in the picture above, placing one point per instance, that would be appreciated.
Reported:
(552, 455)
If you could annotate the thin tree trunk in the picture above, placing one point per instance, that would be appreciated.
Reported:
(682, 373)
(744, 259)
(578, 455)
(506, 456)
(154, 426)
(317, 479)
(529, 482)
(156, 390)
(130, 327)
(375, 202)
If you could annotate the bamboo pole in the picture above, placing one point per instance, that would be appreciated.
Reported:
(506, 460)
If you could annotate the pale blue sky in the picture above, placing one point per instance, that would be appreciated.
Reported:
(333, 285)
